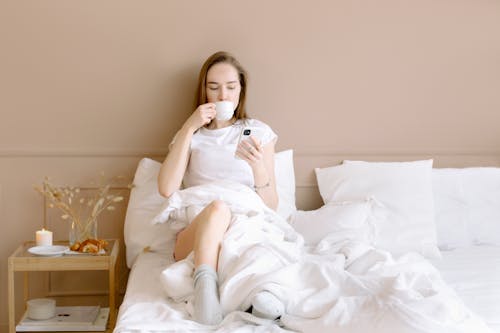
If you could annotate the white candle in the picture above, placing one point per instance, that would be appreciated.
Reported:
(43, 238)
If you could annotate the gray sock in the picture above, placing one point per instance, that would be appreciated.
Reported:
(266, 305)
(207, 308)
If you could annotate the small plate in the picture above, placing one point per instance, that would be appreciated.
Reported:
(77, 253)
(48, 251)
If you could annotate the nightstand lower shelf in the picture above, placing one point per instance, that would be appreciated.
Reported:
(68, 319)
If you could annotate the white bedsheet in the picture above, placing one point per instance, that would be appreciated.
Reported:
(474, 273)
(145, 306)
(340, 286)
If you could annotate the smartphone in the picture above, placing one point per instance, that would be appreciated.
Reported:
(246, 132)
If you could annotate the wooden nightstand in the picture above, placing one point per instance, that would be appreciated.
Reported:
(23, 261)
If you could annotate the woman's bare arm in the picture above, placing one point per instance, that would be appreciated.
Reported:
(267, 190)
(175, 164)
(261, 160)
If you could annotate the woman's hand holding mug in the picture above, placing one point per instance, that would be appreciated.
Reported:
(202, 116)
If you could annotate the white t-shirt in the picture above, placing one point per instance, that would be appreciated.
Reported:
(212, 154)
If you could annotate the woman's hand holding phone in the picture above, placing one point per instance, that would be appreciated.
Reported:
(250, 149)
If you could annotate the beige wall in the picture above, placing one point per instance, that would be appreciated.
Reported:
(90, 86)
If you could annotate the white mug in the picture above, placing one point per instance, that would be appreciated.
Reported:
(224, 110)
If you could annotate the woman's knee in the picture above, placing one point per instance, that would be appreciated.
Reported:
(219, 215)
(219, 208)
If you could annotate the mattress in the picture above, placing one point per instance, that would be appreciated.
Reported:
(474, 273)
(145, 307)
(143, 284)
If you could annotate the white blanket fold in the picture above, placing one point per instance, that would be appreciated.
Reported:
(339, 286)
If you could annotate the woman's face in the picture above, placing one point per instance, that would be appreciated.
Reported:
(223, 84)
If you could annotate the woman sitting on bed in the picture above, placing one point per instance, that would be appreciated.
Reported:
(206, 149)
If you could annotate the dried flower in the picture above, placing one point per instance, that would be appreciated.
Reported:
(76, 207)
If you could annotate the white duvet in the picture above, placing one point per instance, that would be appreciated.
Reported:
(340, 285)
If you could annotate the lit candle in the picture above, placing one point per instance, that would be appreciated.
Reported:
(43, 238)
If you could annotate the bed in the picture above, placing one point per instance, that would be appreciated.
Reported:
(438, 231)
(476, 281)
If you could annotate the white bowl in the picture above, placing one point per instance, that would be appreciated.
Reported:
(41, 308)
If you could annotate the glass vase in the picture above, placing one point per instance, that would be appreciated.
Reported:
(80, 232)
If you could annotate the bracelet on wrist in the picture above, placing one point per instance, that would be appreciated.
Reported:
(256, 188)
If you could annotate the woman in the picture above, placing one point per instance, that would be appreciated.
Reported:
(205, 149)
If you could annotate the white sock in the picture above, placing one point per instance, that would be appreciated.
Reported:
(207, 308)
(266, 305)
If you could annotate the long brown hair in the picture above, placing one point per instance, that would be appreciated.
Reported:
(216, 58)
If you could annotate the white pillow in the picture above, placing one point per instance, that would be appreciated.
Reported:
(482, 196)
(467, 206)
(348, 220)
(450, 209)
(406, 220)
(285, 182)
(145, 203)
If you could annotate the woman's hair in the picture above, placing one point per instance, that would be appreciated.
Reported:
(227, 58)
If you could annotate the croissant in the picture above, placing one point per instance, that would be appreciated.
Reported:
(90, 246)
(75, 246)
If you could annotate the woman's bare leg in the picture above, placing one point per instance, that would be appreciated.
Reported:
(204, 235)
